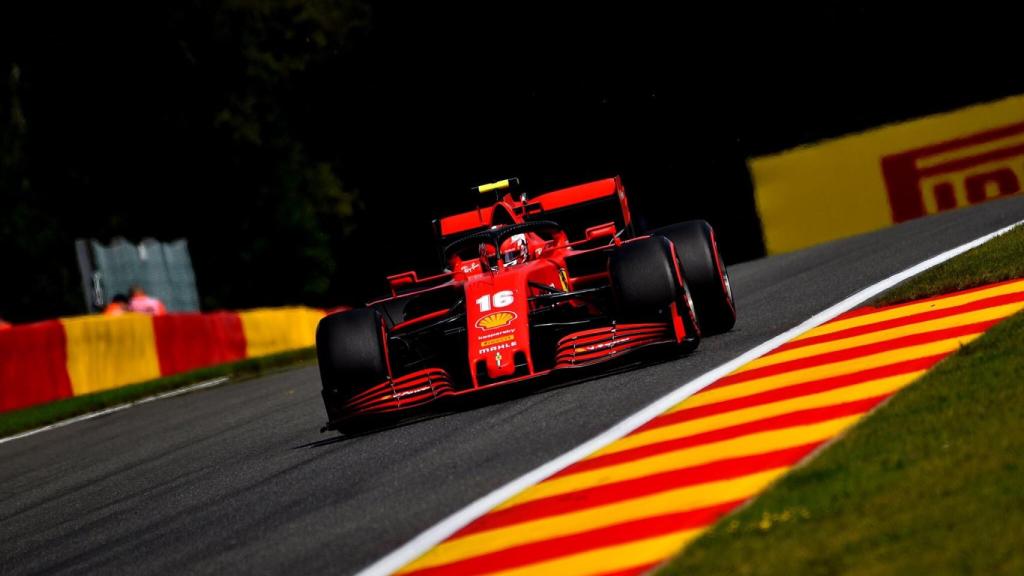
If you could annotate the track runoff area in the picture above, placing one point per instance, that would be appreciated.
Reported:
(632, 497)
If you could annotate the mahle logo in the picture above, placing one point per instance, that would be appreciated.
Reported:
(496, 320)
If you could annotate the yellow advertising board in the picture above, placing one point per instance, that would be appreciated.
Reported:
(891, 174)
(272, 330)
(105, 352)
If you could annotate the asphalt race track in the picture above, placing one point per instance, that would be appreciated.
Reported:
(238, 478)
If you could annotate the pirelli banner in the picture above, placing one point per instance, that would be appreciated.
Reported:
(891, 174)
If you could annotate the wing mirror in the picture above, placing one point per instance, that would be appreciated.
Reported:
(404, 279)
(601, 231)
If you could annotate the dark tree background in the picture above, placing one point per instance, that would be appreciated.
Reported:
(303, 147)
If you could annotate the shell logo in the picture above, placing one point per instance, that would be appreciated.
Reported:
(496, 320)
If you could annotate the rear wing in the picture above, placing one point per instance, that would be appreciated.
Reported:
(575, 208)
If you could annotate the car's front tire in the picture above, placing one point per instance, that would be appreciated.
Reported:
(351, 356)
(642, 276)
(645, 284)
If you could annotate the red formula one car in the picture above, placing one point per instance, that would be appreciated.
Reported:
(531, 287)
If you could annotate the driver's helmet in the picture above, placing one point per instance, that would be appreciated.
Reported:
(514, 250)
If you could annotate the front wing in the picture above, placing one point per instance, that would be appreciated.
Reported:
(426, 387)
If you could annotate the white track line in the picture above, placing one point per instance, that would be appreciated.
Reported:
(439, 532)
(119, 407)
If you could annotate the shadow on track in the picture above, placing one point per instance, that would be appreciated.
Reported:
(498, 395)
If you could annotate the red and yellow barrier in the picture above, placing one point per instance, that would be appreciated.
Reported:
(51, 360)
(105, 353)
(891, 174)
(188, 341)
(33, 365)
(639, 500)
(271, 330)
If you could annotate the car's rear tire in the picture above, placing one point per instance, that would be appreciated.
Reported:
(705, 274)
(350, 354)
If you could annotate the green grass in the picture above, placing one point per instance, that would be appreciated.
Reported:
(1001, 258)
(36, 416)
(931, 483)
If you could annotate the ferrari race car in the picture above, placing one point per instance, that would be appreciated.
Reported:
(530, 287)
